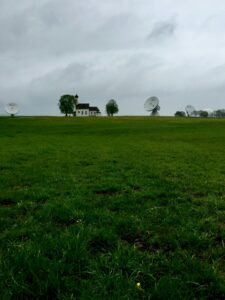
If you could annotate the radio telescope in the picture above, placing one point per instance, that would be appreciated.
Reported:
(12, 109)
(190, 110)
(152, 105)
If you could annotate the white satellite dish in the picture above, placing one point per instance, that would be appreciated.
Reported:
(189, 109)
(151, 103)
(12, 109)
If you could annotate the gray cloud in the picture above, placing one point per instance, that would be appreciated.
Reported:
(99, 50)
(162, 30)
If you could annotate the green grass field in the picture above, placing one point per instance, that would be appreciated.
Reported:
(112, 208)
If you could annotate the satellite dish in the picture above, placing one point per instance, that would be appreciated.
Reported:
(189, 109)
(152, 104)
(12, 109)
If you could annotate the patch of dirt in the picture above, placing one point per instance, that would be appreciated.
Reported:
(115, 209)
(135, 188)
(69, 222)
(199, 194)
(23, 237)
(5, 168)
(7, 202)
(107, 191)
(22, 186)
(84, 163)
(99, 245)
(140, 243)
(42, 200)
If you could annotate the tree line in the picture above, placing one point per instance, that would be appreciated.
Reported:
(220, 113)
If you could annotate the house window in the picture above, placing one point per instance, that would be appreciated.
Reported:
(82, 112)
(85, 112)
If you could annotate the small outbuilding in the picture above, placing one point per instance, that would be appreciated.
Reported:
(94, 111)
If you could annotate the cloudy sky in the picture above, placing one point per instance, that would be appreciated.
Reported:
(122, 49)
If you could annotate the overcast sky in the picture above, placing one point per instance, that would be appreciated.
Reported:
(127, 50)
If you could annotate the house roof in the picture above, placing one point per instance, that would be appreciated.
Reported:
(82, 106)
(94, 108)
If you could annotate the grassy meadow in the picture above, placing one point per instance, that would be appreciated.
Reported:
(112, 208)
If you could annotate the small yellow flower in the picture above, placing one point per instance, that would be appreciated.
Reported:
(138, 285)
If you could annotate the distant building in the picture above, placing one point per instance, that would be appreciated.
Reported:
(94, 111)
(82, 110)
(85, 110)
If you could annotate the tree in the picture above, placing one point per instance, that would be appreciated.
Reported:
(67, 104)
(220, 113)
(203, 114)
(179, 114)
(111, 107)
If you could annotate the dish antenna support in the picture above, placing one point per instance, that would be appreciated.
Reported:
(190, 110)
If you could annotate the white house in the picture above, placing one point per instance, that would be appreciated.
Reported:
(82, 110)
(85, 110)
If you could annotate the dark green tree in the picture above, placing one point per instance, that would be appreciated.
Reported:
(203, 114)
(220, 113)
(67, 104)
(179, 114)
(111, 107)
